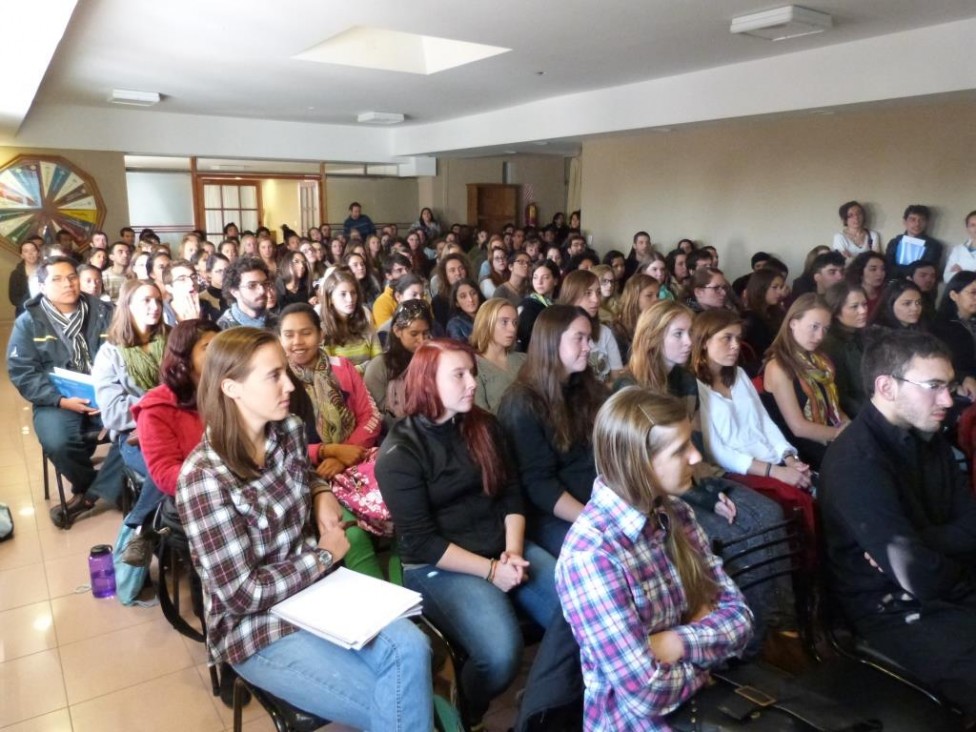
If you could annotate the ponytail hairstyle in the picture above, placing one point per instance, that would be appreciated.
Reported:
(628, 435)
(478, 428)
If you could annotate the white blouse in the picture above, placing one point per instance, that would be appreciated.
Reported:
(851, 249)
(739, 430)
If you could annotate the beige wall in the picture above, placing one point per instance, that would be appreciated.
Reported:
(108, 171)
(776, 184)
(544, 174)
(384, 200)
(281, 205)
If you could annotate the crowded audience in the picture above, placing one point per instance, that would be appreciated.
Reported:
(538, 427)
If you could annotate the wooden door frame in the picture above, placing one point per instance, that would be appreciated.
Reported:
(201, 179)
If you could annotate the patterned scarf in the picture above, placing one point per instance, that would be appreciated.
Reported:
(333, 419)
(69, 327)
(244, 319)
(817, 382)
(142, 366)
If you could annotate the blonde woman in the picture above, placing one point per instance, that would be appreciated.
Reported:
(648, 603)
(494, 336)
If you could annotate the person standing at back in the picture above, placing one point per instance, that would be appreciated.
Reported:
(358, 221)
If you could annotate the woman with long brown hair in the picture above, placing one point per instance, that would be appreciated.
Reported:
(127, 365)
(347, 327)
(250, 504)
(764, 313)
(581, 288)
(548, 415)
(800, 378)
(738, 433)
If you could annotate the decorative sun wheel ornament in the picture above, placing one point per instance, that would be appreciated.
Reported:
(43, 195)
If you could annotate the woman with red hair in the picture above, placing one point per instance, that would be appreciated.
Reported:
(443, 472)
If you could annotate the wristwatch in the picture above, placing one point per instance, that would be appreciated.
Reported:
(324, 557)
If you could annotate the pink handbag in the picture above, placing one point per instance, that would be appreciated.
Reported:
(356, 489)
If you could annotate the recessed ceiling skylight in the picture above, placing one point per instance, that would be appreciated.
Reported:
(377, 48)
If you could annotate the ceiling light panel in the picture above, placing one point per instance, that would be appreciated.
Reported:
(387, 50)
(779, 24)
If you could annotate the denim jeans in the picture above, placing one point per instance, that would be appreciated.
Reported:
(548, 531)
(384, 687)
(60, 432)
(132, 455)
(481, 619)
(771, 601)
(149, 499)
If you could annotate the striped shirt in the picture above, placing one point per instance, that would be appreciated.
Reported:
(252, 540)
(618, 586)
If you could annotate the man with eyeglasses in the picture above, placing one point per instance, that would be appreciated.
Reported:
(183, 301)
(246, 285)
(64, 328)
(900, 519)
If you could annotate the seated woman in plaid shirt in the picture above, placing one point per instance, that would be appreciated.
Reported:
(647, 601)
(250, 504)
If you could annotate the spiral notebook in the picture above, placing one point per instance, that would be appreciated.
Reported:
(348, 608)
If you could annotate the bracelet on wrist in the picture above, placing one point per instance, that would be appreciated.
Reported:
(769, 468)
(490, 577)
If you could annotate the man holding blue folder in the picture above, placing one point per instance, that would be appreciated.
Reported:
(63, 327)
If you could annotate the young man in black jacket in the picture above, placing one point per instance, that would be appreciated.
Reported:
(62, 327)
(900, 520)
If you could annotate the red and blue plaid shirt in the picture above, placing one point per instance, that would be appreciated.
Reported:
(618, 586)
(252, 540)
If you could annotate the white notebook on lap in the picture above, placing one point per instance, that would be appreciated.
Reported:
(348, 608)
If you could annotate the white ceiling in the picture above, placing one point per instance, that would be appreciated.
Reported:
(218, 64)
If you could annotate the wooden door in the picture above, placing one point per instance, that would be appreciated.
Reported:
(492, 205)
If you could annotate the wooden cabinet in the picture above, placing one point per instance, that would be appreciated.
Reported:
(492, 205)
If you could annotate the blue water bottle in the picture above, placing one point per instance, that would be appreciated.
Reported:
(101, 567)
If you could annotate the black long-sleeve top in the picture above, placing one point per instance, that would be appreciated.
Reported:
(961, 343)
(434, 492)
(544, 471)
(845, 346)
(17, 288)
(898, 495)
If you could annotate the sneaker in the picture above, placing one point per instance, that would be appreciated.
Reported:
(138, 552)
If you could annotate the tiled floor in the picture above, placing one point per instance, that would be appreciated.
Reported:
(71, 662)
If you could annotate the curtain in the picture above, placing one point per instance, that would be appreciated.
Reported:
(574, 191)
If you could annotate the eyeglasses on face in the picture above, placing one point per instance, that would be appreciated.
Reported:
(936, 387)
(716, 287)
(252, 286)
